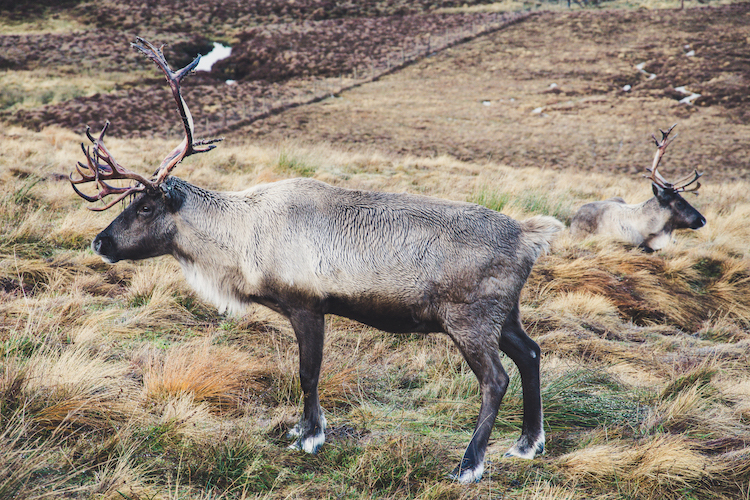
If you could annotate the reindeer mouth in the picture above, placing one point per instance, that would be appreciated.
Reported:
(100, 247)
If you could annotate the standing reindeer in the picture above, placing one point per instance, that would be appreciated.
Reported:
(398, 262)
(648, 225)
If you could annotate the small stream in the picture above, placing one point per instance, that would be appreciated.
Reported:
(218, 53)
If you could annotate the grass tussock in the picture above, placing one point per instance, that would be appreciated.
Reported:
(683, 290)
(147, 392)
(25, 459)
(399, 465)
(662, 463)
(221, 376)
(72, 389)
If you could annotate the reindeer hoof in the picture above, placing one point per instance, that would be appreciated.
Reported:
(525, 449)
(310, 444)
(466, 476)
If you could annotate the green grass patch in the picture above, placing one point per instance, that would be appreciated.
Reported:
(294, 166)
(491, 199)
(538, 202)
(236, 465)
(533, 202)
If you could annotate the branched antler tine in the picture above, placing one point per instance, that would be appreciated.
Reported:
(174, 79)
(113, 202)
(661, 147)
(664, 135)
(118, 171)
(171, 160)
(188, 146)
(102, 166)
(683, 186)
(692, 189)
(110, 169)
(99, 167)
(690, 177)
(84, 177)
(90, 168)
(209, 143)
(82, 195)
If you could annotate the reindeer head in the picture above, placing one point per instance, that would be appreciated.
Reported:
(683, 214)
(142, 230)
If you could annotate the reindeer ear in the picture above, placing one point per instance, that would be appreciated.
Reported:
(173, 196)
(664, 195)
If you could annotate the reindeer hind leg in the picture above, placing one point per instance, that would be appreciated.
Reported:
(525, 353)
(309, 328)
(478, 344)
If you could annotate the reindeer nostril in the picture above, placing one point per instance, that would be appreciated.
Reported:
(101, 245)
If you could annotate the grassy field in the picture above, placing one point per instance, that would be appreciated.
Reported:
(117, 382)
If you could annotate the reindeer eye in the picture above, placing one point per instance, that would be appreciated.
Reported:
(144, 210)
(680, 204)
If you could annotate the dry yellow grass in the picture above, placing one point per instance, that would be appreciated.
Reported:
(87, 345)
(659, 465)
(221, 376)
(72, 389)
(117, 380)
(516, 5)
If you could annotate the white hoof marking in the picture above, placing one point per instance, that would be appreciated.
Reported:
(527, 452)
(309, 445)
(470, 475)
(295, 431)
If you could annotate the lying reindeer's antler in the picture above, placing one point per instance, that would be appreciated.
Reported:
(96, 171)
(658, 179)
(691, 178)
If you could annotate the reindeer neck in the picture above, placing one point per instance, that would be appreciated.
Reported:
(207, 219)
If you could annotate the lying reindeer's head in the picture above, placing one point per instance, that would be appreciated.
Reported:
(145, 228)
(683, 214)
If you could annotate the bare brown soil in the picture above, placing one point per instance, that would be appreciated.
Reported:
(215, 17)
(548, 92)
(333, 47)
(271, 66)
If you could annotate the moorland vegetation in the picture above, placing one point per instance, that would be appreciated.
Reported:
(117, 381)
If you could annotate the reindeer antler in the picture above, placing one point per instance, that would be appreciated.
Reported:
(690, 178)
(100, 164)
(657, 178)
(109, 170)
(188, 146)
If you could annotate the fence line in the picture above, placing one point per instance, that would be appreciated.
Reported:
(322, 88)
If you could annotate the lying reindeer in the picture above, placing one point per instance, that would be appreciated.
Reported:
(648, 225)
(398, 262)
